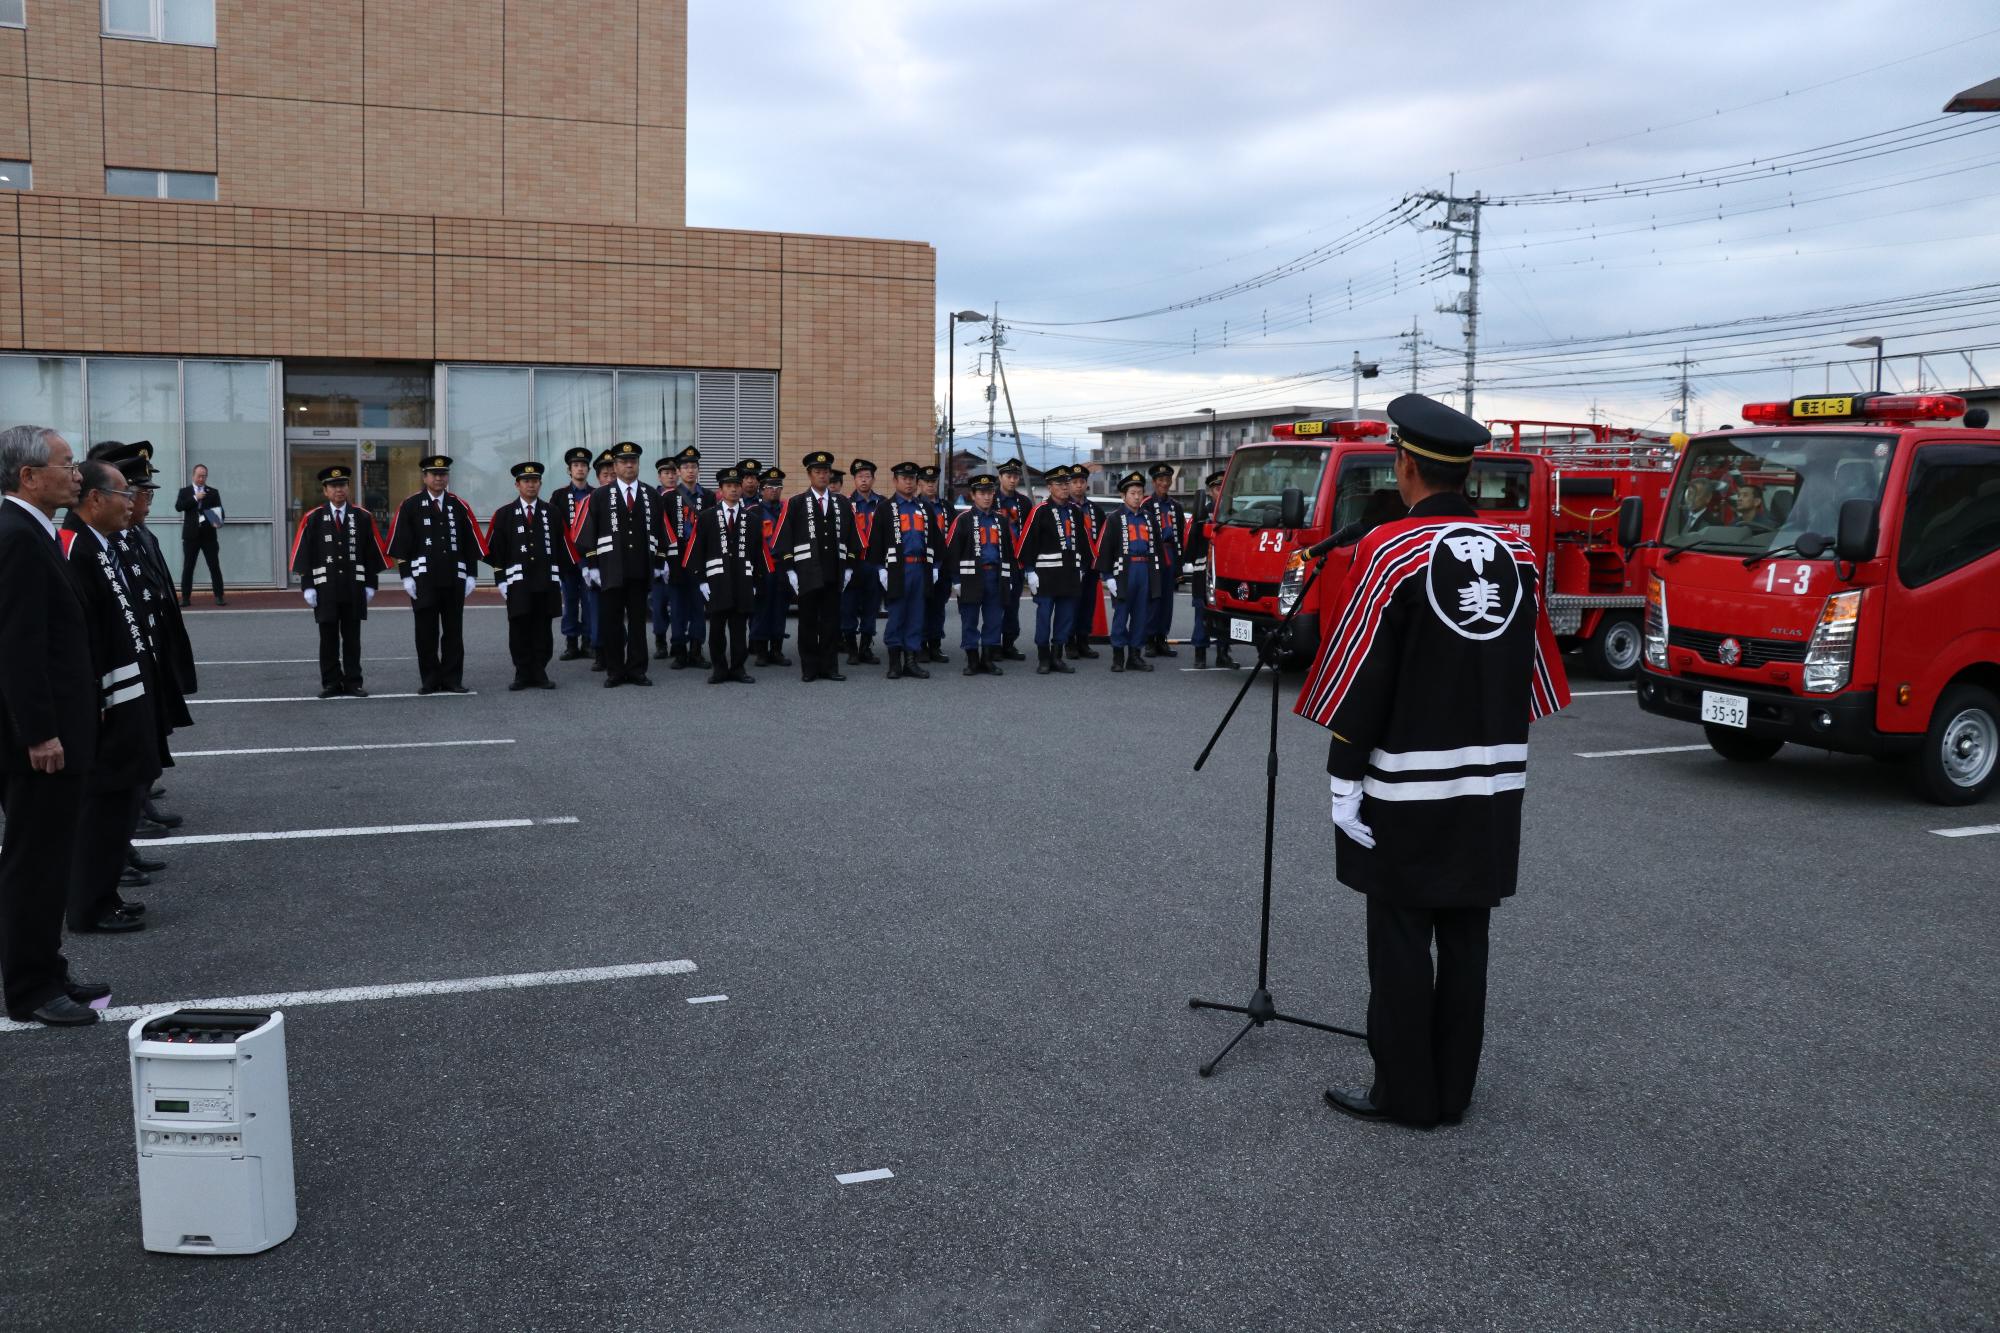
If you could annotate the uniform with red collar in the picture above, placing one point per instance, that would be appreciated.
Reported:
(437, 547)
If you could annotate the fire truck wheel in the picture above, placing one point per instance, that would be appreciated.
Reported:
(1740, 747)
(1961, 753)
(1613, 652)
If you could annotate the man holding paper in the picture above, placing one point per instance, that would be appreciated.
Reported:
(200, 508)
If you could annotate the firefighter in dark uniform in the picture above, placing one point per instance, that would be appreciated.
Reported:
(1441, 658)
(818, 549)
(861, 603)
(1054, 551)
(980, 555)
(625, 546)
(605, 468)
(131, 734)
(528, 546)
(728, 558)
(686, 502)
(659, 604)
(1128, 566)
(147, 570)
(577, 629)
(338, 559)
(1197, 564)
(1012, 504)
(904, 558)
(1166, 516)
(1086, 595)
(940, 593)
(437, 547)
(768, 626)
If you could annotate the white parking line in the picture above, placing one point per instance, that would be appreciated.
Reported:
(706, 999)
(333, 749)
(1969, 831)
(862, 1177)
(400, 990)
(293, 661)
(1656, 749)
(338, 698)
(287, 835)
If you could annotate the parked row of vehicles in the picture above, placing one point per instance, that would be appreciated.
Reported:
(1828, 575)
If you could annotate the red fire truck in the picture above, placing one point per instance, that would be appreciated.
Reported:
(1831, 576)
(1345, 474)
(1597, 600)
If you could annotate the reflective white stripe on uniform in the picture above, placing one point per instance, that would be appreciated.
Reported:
(1390, 762)
(1482, 784)
(130, 692)
(116, 674)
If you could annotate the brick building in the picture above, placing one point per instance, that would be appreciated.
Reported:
(273, 234)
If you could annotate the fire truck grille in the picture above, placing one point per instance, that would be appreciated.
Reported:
(1756, 652)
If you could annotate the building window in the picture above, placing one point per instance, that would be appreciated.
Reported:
(13, 13)
(160, 184)
(187, 22)
(16, 175)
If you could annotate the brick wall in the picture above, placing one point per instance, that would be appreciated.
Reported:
(846, 323)
(483, 108)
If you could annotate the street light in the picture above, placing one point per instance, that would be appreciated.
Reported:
(1980, 97)
(1363, 370)
(1208, 412)
(1875, 341)
(952, 320)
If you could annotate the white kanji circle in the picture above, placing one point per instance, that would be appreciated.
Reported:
(1480, 584)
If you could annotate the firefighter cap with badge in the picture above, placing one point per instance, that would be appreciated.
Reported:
(1428, 429)
(530, 471)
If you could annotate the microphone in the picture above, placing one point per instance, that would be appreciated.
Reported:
(1346, 536)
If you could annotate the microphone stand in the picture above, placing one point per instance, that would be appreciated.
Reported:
(1262, 1008)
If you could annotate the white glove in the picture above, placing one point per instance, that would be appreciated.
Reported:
(1034, 584)
(471, 582)
(664, 574)
(312, 598)
(410, 587)
(1347, 811)
(793, 575)
(934, 576)
(1111, 589)
(846, 577)
(883, 574)
(592, 577)
(704, 592)
(367, 596)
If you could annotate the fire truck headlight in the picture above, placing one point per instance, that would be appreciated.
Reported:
(1830, 657)
(1290, 587)
(1656, 624)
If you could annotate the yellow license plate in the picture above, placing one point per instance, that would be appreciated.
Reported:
(1823, 407)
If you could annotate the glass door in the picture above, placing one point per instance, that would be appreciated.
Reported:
(303, 462)
(390, 474)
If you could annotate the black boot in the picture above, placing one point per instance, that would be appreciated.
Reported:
(718, 673)
(597, 659)
(696, 658)
(1223, 657)
(1056, 663)
(660, 648)
(1201, 657)
(971, 667)
(867, 654)
(1165, 649)
(1084, 650)
(989, 662)
(1136, 661)
(911, 669)
(681, 662)
(1117, 659)
(938, 654)
(895, 664)
(778, 657)
(571, 652)
(1009, 653)
(1042, 667)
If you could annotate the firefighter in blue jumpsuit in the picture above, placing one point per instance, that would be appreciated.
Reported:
(1053, 553)
(861, 600)
(1013, 505)
(1092, 526)
(907, 539)
(1166, 517)
(687, 615)
(579, 621)
(1126, 562)
(980, 554)
(769, 624)
(927, 491)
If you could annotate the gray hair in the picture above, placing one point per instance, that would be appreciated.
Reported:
(23, 446)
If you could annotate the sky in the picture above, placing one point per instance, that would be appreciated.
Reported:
(1076, 164)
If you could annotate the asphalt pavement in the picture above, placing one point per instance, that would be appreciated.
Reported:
(1740, 1069)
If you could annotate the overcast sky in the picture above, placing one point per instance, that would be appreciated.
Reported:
(1079, 161)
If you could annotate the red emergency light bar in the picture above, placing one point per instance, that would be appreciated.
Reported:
(1856, 407)
(1338, 430)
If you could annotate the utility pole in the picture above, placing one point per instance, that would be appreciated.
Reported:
(1000, 367)
(1414, 338)
(1682, 414)
(1461, 223)
(992, 369)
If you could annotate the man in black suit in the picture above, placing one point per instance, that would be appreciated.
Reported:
(200, 507)
(48, 728)
(818, 548)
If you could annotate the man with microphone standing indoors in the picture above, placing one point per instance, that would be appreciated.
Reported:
(1441, 658)
(200, 507)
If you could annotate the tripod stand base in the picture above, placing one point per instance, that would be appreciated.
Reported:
(1262, 1009)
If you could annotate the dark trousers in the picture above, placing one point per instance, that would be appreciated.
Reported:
(42, 812)
(934, 604)
(441, 637)
(819, 628)
(204, 544)
(621, 628)
(1129, 614)
(531, 639)
(340, 649)
(1425, 1030)
(1055, 620)
(1160, 614)
(905, 629)
(768, 626)
(861, 603)
(1084, 624)
(728, 639)
(686, 613)
(103, 835)
(1010, 617)
(574, 626)
(1200, 636)
(981, 620)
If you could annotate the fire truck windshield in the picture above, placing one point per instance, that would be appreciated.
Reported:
(1259, 478)
(1744, 493)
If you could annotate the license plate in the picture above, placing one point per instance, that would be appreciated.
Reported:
(1725, 710)
(1242, 631)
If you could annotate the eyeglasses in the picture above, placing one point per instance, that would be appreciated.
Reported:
(55, 467)
(120, 494)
